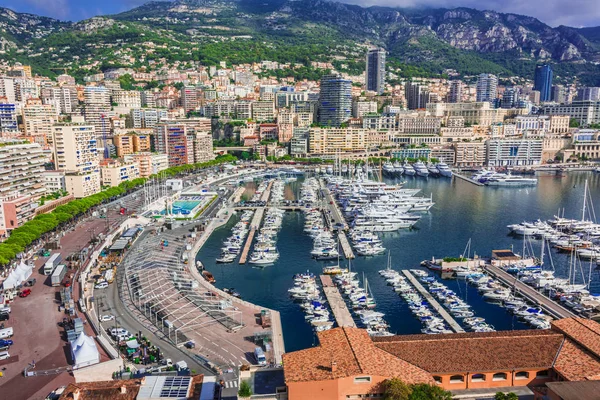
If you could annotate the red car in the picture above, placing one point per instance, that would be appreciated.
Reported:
(25, 293)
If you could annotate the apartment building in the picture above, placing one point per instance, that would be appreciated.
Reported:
(584, 111)
(21, 183)
(333, 140)
(363, 107)
(479, 113)
(8, 118)
(38, 120)
(263, 111)
(116, 173)
(147, 117)
(469, 154)
(127, 98)
(419, 125)
(76, 153)
(586, 143)
(148, 163)
(171, 139)
(514, 152)
(199, 147)
(54, 180)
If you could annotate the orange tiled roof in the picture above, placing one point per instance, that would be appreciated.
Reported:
(576, 364)
(347, 352)
(476, 352)
(583, 331)
(103, 390)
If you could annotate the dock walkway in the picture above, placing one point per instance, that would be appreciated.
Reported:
(551, 307)
(467, 179)
(348, 253)
(254, 225)
(336, 303)
(434, 303)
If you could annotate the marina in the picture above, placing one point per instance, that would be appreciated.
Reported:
(462, 211)
(336, 302)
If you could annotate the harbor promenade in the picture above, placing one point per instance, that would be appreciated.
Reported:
(336, 303)
(549, 306)
(433, 302)
(464, 178)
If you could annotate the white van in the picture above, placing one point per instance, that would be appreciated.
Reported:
(6, 333)
(101, 285)
(4, 355)
(260, 356)
(5, 309)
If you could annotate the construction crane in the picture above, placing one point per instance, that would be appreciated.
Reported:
(104, 142)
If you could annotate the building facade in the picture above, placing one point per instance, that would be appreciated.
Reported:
(542, 81)
(335, 100)
(487, 87)
(514, 152)
(375, 70)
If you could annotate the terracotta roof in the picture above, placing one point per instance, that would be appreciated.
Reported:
(583, 331)
(103, 390)
(476, 352)
(347, 352)
(575, 390)
(574, 363)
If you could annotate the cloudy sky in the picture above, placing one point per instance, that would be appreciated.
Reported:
(575, 13)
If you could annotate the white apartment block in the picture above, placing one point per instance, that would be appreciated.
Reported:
(263, 111)
(514, 152)
(360, 108)
(469, 154)
(479, 113)
(38, 120)
(333, 140)
(21, 183)
(114, 175)
(54, 181)
(76, 152)
(147, 117)
(148, 163)
(585, 112)
(127, 98)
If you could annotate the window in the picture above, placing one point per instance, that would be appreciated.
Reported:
(362, 379)
(500, 376)
(438, 379)
(522, 375)
(542, 374)
(457, 379)
(478, 378)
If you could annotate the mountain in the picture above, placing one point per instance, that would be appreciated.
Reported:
(424, 42)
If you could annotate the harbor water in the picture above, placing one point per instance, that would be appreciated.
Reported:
(462, 211)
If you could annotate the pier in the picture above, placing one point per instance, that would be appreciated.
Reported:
(348, 253)
(464, 178)
(332, 208)
(254, 225)
(336, 303)
(433, 302)
(549, 306)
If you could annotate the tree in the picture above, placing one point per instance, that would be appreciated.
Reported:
(245, 390)
(506, 396)
(395, 389)
(423, 391)
(573, 123)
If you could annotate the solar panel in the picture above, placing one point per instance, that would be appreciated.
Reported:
(175, 387)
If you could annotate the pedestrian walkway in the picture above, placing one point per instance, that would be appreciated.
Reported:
(231, 384)
(336, 303)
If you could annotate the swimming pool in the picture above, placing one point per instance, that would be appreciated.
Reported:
(184, 207)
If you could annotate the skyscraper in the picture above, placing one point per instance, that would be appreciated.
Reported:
(375, 70)
(487, 84)
(559, 94)
(335, 100)
(455, 93)
(417, 96)
(510, 98)
(542, 81)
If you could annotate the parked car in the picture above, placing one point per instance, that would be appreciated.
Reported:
(25, 293)
(106, 318)
(101, 285)
(5, 342)
(4, 316)
(4, 355)
(31, 282)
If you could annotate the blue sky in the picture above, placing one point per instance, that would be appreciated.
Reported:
(574, 13)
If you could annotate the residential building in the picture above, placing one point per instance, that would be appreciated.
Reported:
(171, 139)
(141, 142)
(22, 183)
(64, 98)
(76, 153)
(263, 111)
(514, 152)
(375, 70)
(333, 140)
(54, 181)
(267, 132)
(419, 125)
(147, 117)
(588, 94)
(285, 132)
(127, 99)
(148, 98)
(480, 113)
(335, 100)
(456, 134)
(542, 81)
(456, 92)
(510, 98)
(487, 86)
(148, 163)
(470, 154)
(586, 144)
(190, 98)
(38, 120)
(553, 145)
(124, 144)
(423, 153)
(114, 174)
(8, 90)
(8, 117)
(559, 94)
(361, 107)
(200, 145)
(416, 96)
(585, 112)
(299, 142)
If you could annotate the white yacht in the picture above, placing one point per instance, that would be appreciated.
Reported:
(511, 180)
(420, 169)
(444, 169)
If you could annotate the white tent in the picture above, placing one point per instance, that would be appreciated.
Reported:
(17, 276)
(84, 351)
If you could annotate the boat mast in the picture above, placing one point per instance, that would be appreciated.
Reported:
(584, 200)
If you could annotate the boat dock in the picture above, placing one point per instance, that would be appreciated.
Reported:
(549, 306)
(433, 302)
(348, 253)
(331, 208)
(254, 225)
(336, 303)
(267, 193)
(464, 178)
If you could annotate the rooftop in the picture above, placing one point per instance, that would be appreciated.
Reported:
(347, 352)
(480, 352)
(575, 390)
